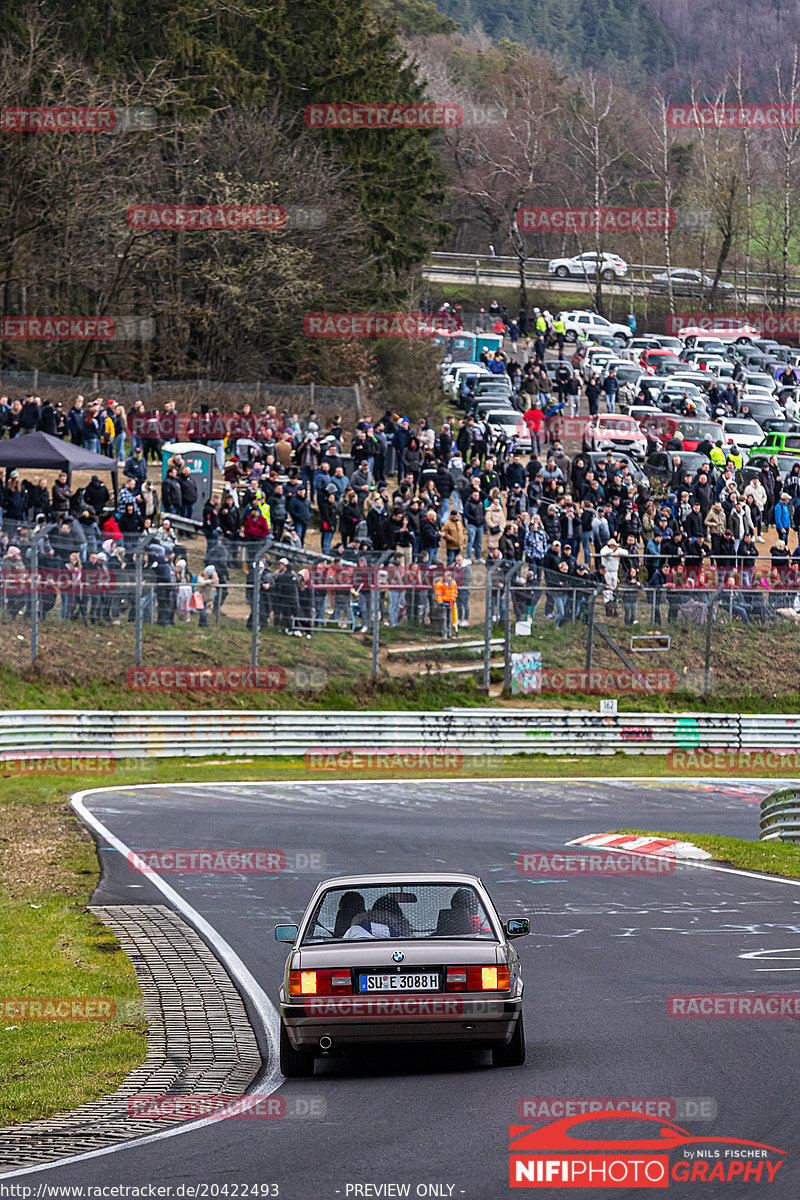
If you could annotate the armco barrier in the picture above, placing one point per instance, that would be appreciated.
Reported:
(780, 815)
(470, 731)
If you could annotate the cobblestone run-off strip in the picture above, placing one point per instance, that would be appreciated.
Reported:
(200, 1041)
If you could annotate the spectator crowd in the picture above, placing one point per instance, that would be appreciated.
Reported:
(402, 495)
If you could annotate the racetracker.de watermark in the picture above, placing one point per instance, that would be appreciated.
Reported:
(401, 1007)
(237, 861)
(76, 329)
(769, 1004)
(419, 577)
(540, 862)
(190, 1108)
(57, 1008)
(579, 427)
(200, 217)
(230, 218)
(733, 116)
(606, 682)
(377, 325)
(670, 1108)
(77, 120)
(15, 762)
(383, 116)
(207, 679)
(614, 219)
(738, 762)
(388, 759)
(89, 581)
(766, 323)
(403, 116)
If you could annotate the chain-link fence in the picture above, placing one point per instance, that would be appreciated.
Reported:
(137, 623)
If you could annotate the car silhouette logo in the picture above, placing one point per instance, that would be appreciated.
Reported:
(557, 1137)
(398, 956)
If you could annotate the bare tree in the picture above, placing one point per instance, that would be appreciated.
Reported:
(499, 170)
(595, 129)
(787, 93)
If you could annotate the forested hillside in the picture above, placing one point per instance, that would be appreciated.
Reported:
(677, 40)
(576, 116)
(599, 33)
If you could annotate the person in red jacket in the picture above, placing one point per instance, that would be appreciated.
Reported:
(534, 419)
(257, 528)
(111, 529)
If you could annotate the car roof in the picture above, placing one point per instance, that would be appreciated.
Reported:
(401, 877)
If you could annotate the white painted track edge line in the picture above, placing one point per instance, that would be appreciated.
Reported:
(263, 1006)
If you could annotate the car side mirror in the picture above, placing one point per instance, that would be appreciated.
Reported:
(517, 927)
(285, 933)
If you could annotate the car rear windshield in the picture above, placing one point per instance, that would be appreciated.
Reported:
(399, 910)
(624, 424)
(701, 429)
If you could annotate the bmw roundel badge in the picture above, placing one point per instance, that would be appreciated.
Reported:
(398, 956)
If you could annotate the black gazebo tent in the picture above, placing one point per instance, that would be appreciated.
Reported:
(52, 454)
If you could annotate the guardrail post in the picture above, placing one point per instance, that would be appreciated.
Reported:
(143, 544)
(34, 600)
(137, 605)
(507, 631)
(255, 611)
(590, 630)
(375, 603)
(709, 628)
(487, 635)
(255, 601)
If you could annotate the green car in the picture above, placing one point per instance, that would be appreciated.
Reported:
(776, 443)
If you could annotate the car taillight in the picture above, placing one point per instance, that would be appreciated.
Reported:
(320, 983)
(477, 979)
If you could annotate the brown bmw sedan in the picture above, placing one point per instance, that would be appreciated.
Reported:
(400, 958)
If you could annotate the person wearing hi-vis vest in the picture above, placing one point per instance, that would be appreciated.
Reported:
(445, 591)
(559, 329)
(735, 456)
(717, 454)
(541, 326)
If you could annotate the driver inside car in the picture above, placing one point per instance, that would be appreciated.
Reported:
(384, 920)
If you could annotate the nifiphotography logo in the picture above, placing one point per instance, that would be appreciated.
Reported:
(578, 1152)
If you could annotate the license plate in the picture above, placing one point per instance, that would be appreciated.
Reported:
(423, 982)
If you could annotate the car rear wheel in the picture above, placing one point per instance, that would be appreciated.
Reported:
(562, 272)
(512, 1055)
(608, 275)
(294, 1064)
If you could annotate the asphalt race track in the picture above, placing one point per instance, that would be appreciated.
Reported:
(603, 956)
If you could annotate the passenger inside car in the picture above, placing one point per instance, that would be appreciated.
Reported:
(350, 905)
(370, 924)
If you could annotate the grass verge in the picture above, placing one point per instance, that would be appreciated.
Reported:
(770, 858)
(51, 947)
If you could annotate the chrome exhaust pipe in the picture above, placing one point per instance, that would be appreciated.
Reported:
(325, 1042)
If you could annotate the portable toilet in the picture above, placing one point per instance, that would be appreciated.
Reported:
(201, 461)
(488, 341)
(463, 346)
